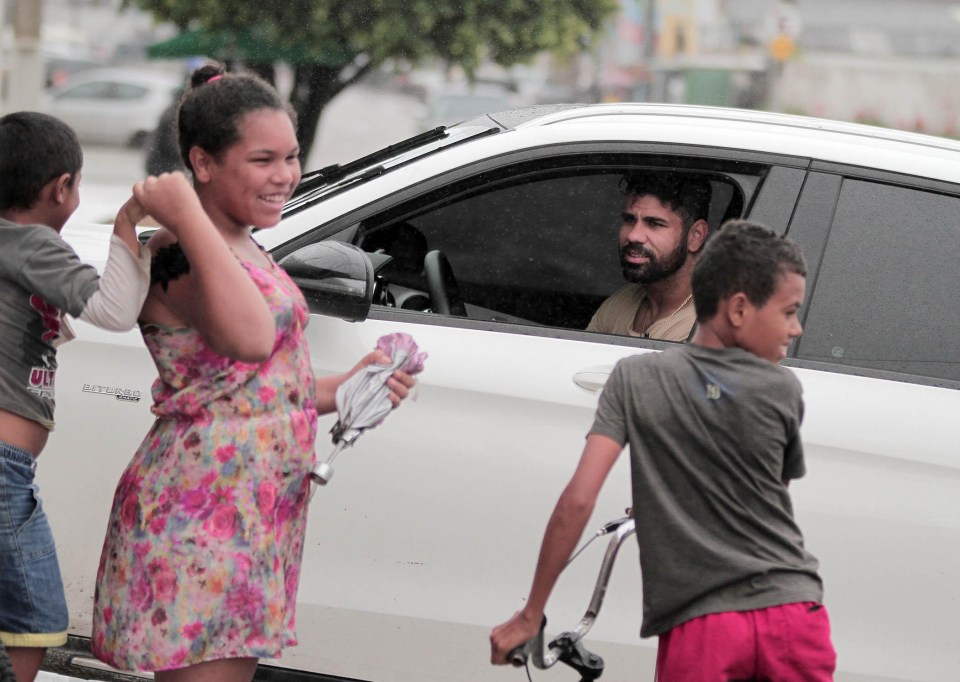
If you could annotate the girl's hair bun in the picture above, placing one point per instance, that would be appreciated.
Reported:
(206, 73)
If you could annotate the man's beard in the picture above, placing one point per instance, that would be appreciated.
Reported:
(654, 269)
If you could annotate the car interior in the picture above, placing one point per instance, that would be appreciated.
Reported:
(538, 249)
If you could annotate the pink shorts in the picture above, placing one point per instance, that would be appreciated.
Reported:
(789, 643)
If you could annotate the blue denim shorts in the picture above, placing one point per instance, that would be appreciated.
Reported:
(33, 610)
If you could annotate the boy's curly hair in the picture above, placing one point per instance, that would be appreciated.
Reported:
(742, 257)
(35, 148)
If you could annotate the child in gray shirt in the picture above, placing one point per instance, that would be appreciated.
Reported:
(714, 435)
(41, 280)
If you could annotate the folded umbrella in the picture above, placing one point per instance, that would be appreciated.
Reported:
(363, 400)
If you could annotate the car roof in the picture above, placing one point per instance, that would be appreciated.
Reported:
(802, 136)
(553, 114)
(137, 76)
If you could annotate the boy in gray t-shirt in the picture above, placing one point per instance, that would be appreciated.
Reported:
(41, 279)
(714, 435)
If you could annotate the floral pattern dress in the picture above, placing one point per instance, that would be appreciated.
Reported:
(202, 553)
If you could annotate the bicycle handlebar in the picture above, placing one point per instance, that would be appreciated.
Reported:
(568, 646)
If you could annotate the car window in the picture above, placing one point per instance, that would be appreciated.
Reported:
(538, 246)
(884, 297)
(95, 90)
(128, 91)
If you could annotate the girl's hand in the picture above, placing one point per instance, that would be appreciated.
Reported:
(131, 212)
(171, 200)
(399, 382)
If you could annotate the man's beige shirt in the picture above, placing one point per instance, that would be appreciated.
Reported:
(617, 313)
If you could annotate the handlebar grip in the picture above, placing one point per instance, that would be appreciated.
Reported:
(519, 655)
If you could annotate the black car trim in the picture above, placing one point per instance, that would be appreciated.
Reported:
(774, 202)
(887, 177)
(810, 228)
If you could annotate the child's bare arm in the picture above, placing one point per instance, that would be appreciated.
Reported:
(216, 297)
(564, 530)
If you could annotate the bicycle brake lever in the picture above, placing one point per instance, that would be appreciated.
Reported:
(611, 526)
(575, 654)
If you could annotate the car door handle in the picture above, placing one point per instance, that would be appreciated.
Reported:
(591, 379)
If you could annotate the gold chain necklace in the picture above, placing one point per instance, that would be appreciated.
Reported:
(668, 317)
(685, 302)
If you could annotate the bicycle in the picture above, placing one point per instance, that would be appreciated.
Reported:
(568, 647)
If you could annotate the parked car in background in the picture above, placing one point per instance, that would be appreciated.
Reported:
(492, 243)
(114, 105)
(58, 70)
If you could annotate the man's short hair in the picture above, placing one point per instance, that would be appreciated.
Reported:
(686, 194)
(742, 257)
(34, 149)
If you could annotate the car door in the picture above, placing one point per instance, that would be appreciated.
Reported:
(430, 530)
(880, 366)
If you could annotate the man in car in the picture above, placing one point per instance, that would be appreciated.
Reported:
(662, 230)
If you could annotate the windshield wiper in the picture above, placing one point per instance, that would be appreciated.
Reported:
(336, 178)
(336, 172)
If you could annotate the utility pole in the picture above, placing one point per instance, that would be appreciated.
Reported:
(26, 63)
(649, 17)
(650, 85)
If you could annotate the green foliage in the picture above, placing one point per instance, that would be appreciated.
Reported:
(337, 41)
(461, 32)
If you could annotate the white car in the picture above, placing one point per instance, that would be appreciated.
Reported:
(429, 533)
(115, 105)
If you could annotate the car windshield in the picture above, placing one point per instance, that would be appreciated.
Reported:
(319, 184)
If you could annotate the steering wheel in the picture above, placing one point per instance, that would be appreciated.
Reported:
(442, 285)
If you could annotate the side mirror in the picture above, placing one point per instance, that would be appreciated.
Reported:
(337, 279)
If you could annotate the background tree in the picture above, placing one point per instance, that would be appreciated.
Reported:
(331, 44)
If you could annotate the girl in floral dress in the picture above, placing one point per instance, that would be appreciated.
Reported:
(200, 565)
